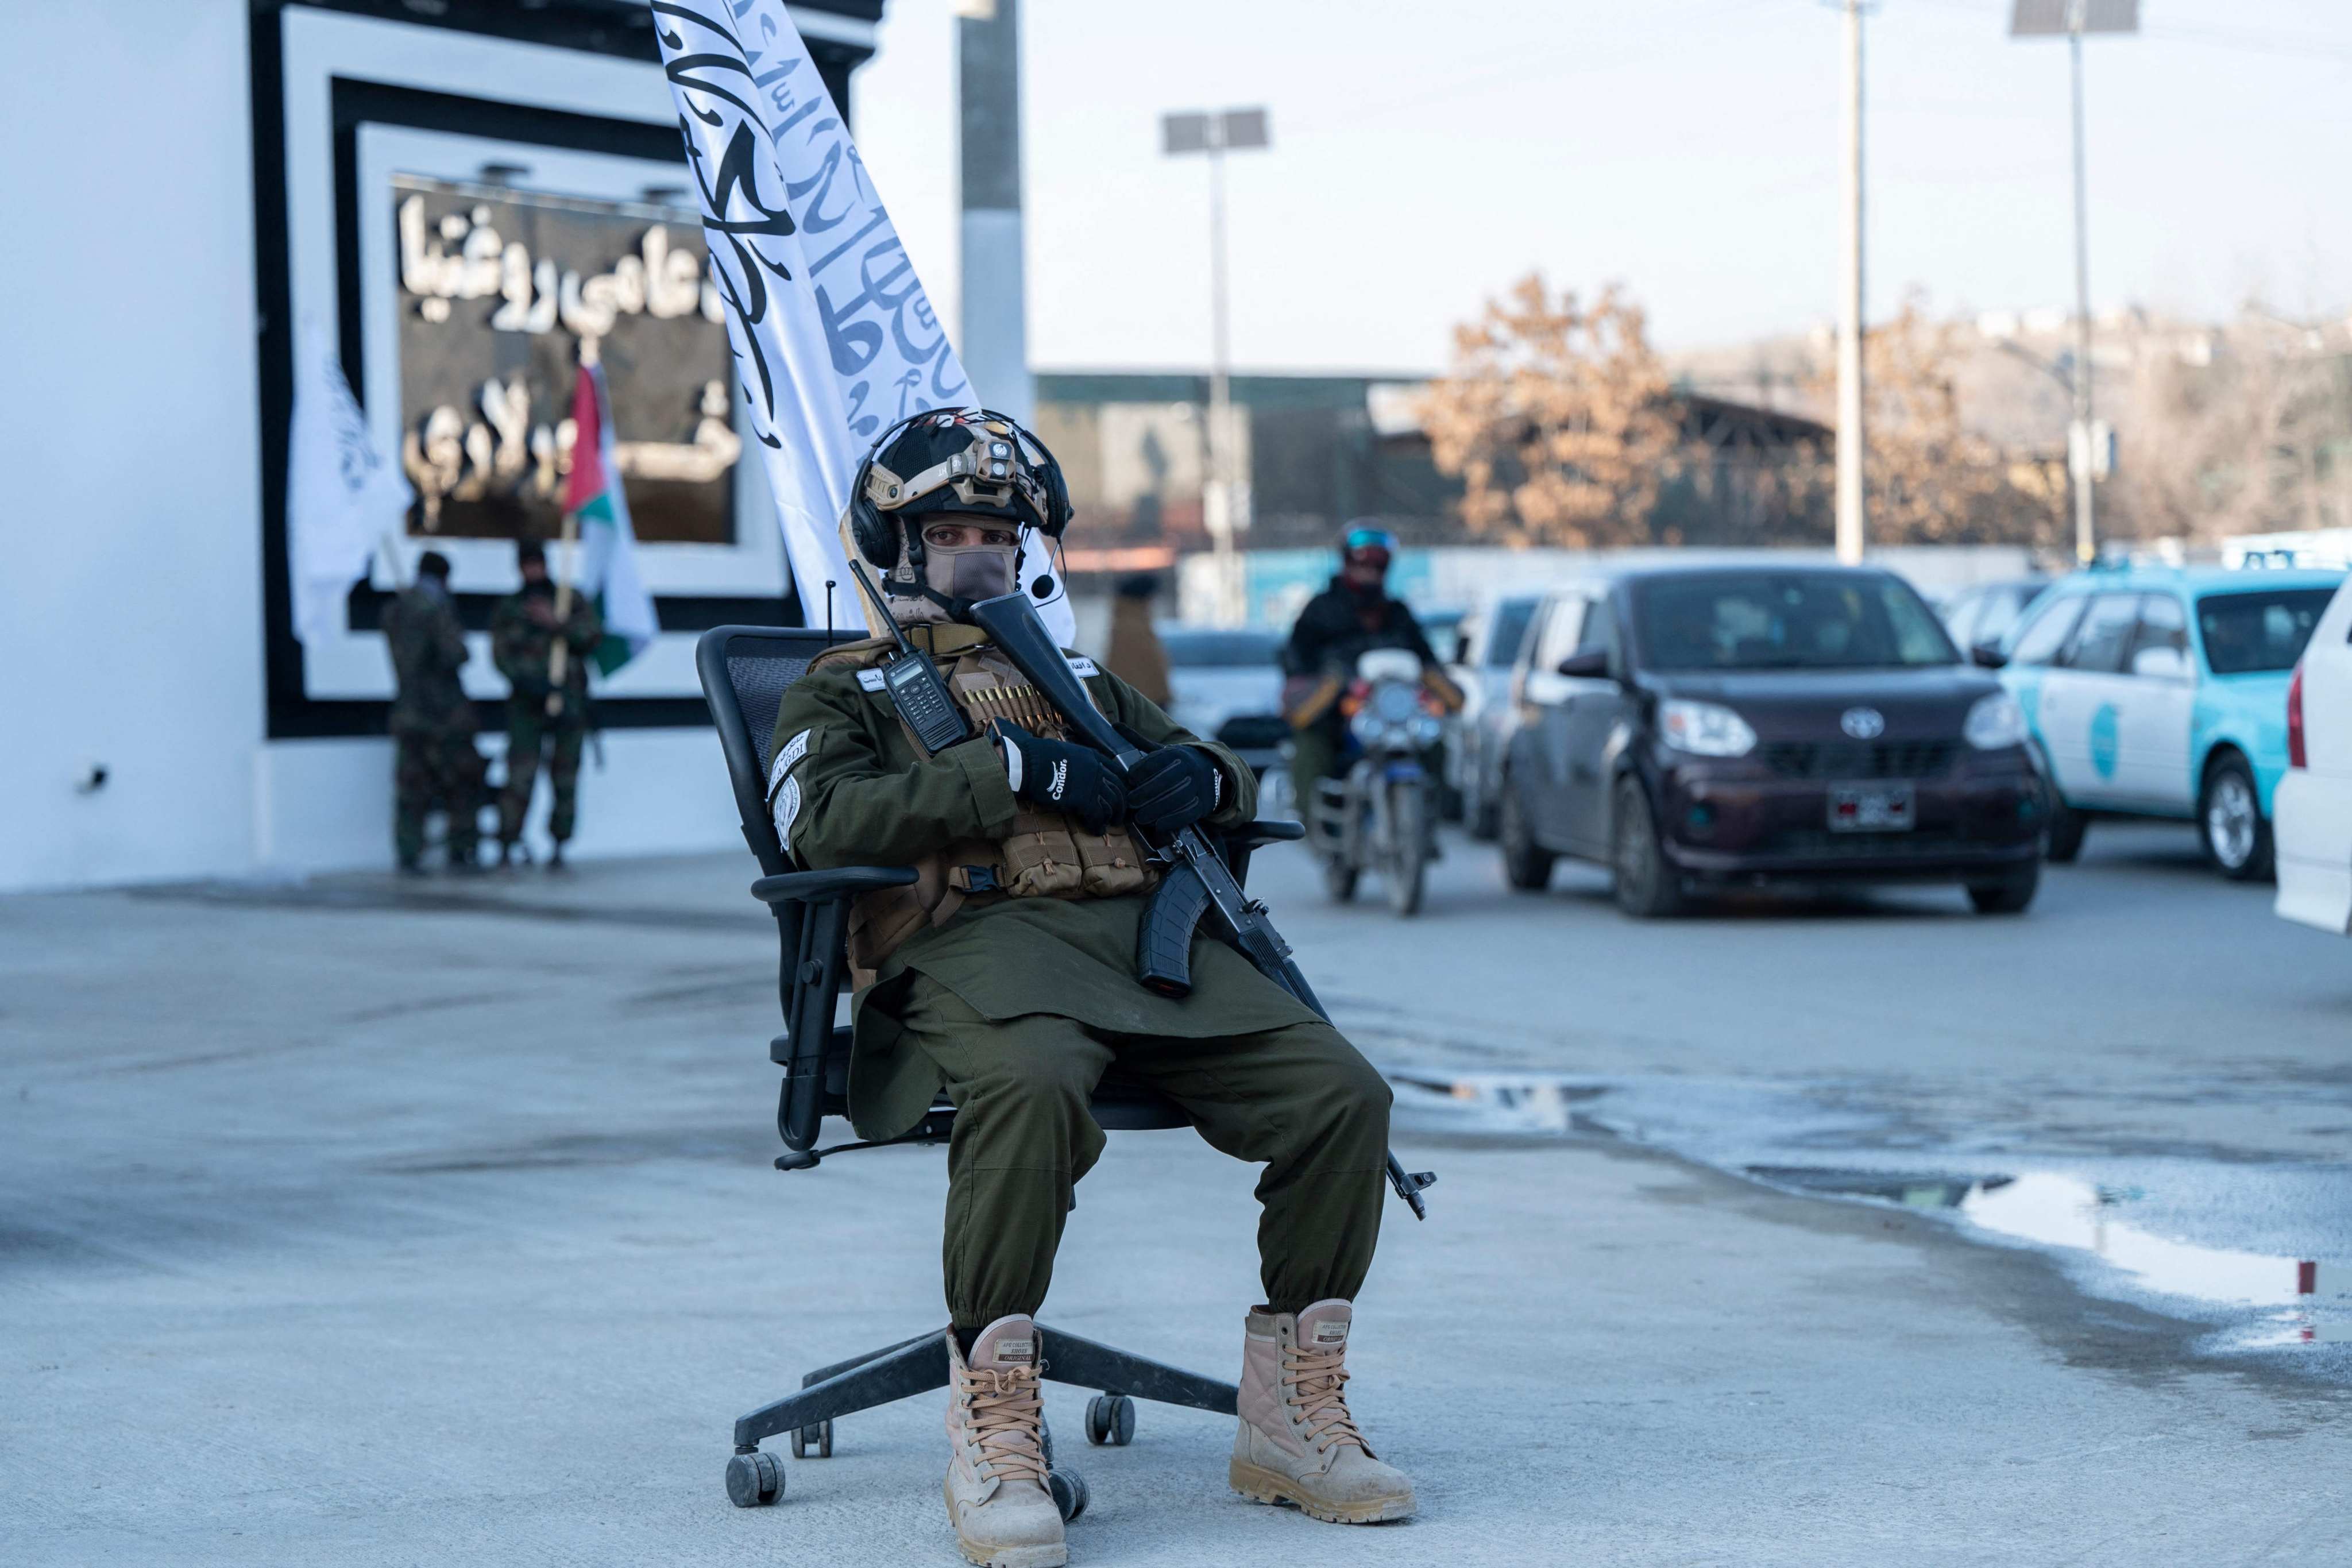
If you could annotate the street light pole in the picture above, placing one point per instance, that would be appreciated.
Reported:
(2078, 445)
(1220, 514)
(1224, 493)
(2071, 19)
(1849, 349)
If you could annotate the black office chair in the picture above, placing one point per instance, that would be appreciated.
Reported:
(745, 672)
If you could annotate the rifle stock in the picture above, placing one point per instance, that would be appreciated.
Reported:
(1196, 878)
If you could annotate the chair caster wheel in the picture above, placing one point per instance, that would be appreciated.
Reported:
(814, 1442)
(1069, 1490)
(754, 1481)
(1110, 1418)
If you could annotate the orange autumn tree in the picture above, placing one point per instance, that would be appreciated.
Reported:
(1556, 418)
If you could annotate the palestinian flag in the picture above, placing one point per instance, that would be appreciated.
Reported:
(608, 545)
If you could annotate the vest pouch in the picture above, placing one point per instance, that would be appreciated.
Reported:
(1110, 865)
(1041, 857)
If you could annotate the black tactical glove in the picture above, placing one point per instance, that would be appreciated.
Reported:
(1078, 780)
(1175, 788)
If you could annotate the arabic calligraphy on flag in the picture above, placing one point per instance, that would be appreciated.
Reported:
(834, 337)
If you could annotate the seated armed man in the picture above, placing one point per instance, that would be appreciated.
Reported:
(1352, 616)
(1006, 974)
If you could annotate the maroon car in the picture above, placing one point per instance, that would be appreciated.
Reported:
(1715, 725)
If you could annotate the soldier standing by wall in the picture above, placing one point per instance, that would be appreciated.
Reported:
(1136, 655)
(541, 715)
(432, 722)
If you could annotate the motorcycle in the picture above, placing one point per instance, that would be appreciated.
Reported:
(1382, 814)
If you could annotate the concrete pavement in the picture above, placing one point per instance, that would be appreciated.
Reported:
(359, 1223)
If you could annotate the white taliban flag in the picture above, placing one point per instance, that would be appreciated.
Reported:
(342, 499)
(834, 339)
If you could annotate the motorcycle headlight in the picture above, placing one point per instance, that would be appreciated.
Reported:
(1368, 726)
(1994, 723)
(1705, 729)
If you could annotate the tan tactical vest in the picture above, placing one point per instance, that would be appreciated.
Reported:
(1044, 855)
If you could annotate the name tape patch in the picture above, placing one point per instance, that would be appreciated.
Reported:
(1081, 665)
(794, 750)
(870, 678)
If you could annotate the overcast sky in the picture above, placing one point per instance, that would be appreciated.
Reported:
(1427, 154)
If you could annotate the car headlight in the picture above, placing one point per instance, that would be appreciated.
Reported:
(1705, 729)
(1994, 723)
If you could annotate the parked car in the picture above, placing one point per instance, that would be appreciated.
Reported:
(2159, 692)
(1487, 651)
(1721, 724)
(1986, 613)
(2312, 810)
(1225, 684)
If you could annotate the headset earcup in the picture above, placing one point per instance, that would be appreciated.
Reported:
(873, 532)
(1057, 495)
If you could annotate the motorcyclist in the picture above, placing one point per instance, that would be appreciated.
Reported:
(1352, 616)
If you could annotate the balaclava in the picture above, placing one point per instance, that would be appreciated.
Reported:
(951, 465)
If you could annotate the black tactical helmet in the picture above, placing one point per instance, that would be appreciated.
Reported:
(953, 460)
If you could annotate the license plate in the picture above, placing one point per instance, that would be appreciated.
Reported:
(1872, 808)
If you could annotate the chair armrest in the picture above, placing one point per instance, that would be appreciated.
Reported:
(819, 887)
(1268, 830)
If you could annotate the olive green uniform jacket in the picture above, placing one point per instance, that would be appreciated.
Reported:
(428, 648)
(523, 650)
(852, 790)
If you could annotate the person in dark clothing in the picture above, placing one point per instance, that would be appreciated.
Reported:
(436, 765)
(1137, 655)
(547, 714)
(1347, 619)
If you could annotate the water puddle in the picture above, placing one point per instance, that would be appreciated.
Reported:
(2293, 1300)
(2263, 1253)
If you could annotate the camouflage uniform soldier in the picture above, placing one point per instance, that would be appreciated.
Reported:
(523, 631)
(1005, 975)
(432, 721)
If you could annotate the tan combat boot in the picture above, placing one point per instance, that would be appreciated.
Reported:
(1297, 1443)
(998, 1502)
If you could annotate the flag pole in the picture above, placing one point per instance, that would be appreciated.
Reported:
(565, 563)
(555, 655)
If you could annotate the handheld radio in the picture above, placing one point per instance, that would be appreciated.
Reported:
(914, 683)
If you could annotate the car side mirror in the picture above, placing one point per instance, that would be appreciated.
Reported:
(1988, 656)
(1591, 665)
(2162, 663)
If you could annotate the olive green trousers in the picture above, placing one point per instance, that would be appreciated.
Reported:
(1300, 1099)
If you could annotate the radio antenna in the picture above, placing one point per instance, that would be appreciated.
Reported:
(874, 596)
(828, 611)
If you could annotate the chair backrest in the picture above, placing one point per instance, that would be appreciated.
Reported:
(745, 672)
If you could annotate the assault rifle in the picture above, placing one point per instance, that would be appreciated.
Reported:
(1194, 880)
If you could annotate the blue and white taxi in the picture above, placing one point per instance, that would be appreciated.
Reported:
(2161, 692)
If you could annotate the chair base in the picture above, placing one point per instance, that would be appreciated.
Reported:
(921, 1364)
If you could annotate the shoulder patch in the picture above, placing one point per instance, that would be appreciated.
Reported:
(794, 750)
(870, 678)
(1081, 665)
(787, 812)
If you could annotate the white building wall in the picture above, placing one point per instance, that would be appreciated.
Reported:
(131, 617)
(130, 540)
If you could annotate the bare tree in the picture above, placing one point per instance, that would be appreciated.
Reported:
(2245, 429)
(1556, 418)
(1929, 474)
